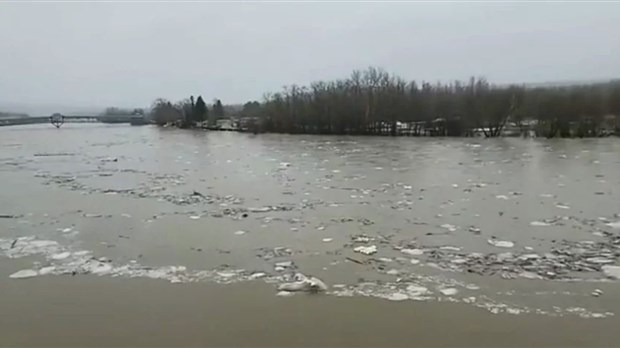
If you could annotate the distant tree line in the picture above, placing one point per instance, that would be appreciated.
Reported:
(375, 102)
(186, 113)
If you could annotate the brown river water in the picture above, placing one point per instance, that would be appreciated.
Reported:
(113, 235)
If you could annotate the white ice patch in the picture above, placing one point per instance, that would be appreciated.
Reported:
(539, 223)
(26, 246)
(366, 250)
(449, 291)
(614, 224)
(303, 283)
(501, 243)
(25, 273)
(397, 296)
(285, 293)
(240, 233)
(450, 248)
(60, 256)
(449, 227)
(412, 252)
(599, 260)
(502, 197)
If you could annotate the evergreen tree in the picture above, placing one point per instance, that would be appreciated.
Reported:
(200, 110)
(218, 109)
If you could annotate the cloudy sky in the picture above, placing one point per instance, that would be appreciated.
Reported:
(127, 54)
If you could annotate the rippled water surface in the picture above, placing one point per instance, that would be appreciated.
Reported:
(508, 225)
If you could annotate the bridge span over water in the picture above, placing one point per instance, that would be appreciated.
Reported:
(58, 119)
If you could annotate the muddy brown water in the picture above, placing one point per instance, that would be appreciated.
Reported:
(145, 198)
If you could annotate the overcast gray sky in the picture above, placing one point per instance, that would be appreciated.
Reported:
(128, 54)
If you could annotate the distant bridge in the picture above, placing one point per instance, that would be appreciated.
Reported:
(57, 119)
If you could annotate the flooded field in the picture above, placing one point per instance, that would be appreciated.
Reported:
(520, 230)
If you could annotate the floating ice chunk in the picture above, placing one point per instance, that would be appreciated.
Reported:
(257, 275)
(451, 248)
(459, 261)
(449, 227)
(67, 230)
(414, 261)
(501, 243)
(327, 240)
(239, 233)
(529, 275)
(60, 256)
(504, 197)
(285, 293)
(546, 195)
(562, 206)
(412, 252)
(396, 296)
(614, 224)
(125, 215)
(101, 268)
(47, 270)
(320, 228)
(416, 290)
(449, 291)
(599, 260)
(284, 264)
(24, 273)
(303, 283)
(259, 210)
(362, 239)
(393, 272)
(91, 215)
(195, 217)
(226, 274)
(366, 250)
(539, 223)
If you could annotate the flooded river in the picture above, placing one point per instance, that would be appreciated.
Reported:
(492, 240)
